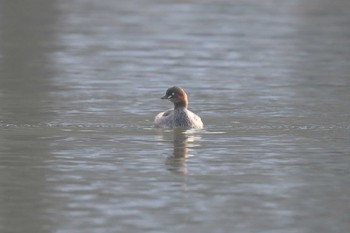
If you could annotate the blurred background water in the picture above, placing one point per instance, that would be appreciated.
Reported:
(80, 83)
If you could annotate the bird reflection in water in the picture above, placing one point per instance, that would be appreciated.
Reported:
(183, 141)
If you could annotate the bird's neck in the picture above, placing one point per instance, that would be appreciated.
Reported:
(180, 105)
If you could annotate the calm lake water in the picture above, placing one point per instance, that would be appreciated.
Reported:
(80, 84)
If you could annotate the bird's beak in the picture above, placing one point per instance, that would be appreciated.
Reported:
(164, 97)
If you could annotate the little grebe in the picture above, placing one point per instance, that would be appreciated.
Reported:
(180, 116)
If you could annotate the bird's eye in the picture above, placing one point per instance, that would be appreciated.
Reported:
(171, 95)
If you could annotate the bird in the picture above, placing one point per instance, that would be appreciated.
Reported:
(180, 116)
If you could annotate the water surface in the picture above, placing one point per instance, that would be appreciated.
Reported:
(80, 83)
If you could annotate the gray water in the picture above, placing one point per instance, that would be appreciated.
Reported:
(80, 84)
